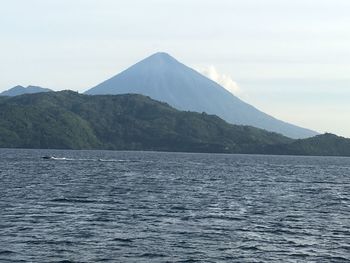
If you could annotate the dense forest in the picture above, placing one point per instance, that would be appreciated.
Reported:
(69, 120)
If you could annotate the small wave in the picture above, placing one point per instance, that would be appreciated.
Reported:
(250, 248)
(298, 255)
(72, 200)
(57, 158)
(86, 159)
(112, 160)
(220, 217)
(191, 260)
(120, 239)
(153, 255)
(6, 252)
(178, 207)
(64, 159)
(67, 261)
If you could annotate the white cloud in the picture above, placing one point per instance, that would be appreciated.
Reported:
(222, 79)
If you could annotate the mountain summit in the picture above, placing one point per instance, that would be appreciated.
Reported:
(20, 90)
(162, 77)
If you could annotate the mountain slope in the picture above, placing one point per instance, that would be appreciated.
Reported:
(124, 122)
(68, 120)
(20, 90)
(32, 121)
(163, 78)
(325, 144)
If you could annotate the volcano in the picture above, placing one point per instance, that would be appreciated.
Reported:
(163, 78)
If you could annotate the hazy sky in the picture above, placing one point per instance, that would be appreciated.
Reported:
(290, 58)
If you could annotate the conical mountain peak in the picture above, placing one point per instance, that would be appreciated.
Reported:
(163, 78)
(159, 58)
(161, 55)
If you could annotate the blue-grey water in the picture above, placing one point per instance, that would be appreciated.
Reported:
(105, 206)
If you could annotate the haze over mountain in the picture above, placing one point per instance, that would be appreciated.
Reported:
(163, 78)
(20, 90)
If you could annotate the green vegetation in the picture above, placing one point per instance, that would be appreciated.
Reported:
(68, 120)
(321, 145)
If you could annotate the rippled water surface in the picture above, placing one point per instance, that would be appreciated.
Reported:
(104, 206)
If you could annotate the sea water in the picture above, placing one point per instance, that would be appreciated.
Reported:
(110, 206)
